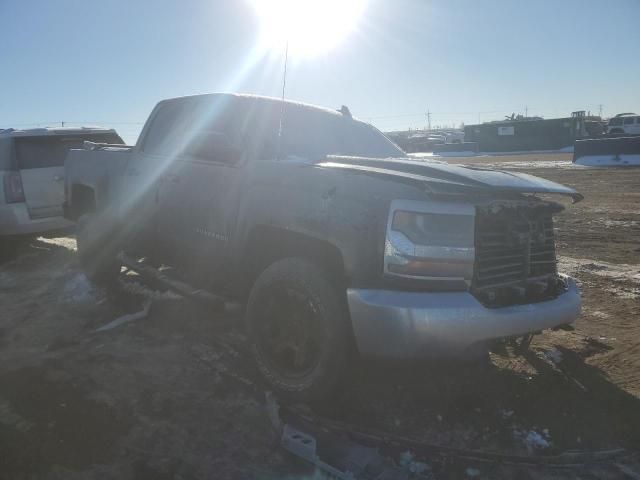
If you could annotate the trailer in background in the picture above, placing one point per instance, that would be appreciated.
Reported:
(608, 151)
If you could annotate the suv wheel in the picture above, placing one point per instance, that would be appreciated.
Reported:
(299, 329)
(97, 255)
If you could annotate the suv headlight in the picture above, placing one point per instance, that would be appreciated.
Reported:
(430, 240)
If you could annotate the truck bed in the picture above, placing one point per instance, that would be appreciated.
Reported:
(96, 166)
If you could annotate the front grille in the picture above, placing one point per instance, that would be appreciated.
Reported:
(515, 254)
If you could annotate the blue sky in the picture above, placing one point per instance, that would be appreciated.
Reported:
(110, 61)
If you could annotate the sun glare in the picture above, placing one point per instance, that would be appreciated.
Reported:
(311, 27)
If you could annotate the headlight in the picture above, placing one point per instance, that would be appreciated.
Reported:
(430, 240)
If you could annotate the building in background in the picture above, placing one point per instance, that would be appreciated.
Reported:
(518, 133)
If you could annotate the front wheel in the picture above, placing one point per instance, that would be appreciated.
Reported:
(97, 250)
(299, 330)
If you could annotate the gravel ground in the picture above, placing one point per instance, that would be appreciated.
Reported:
(153, 398)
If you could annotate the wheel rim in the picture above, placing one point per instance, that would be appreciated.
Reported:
(290, 334)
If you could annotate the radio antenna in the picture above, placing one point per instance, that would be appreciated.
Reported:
(284, 85)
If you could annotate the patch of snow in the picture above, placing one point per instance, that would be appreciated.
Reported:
(506, 414)
(533, 440)
(558, 164)
(614, 271)
(461, 153)
(554, 355)
(472, 472)
(609, 161)
(568, 149)
(79, 289)
(407, 461)
(620, 223)
(66, 242)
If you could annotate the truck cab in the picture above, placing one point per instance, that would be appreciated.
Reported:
(624, 123)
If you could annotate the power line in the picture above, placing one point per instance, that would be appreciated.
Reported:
(67, 122)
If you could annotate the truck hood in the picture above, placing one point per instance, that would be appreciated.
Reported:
(441, 177)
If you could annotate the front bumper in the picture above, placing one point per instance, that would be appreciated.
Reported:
(398, 324)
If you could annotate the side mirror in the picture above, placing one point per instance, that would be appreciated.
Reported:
(214, 146)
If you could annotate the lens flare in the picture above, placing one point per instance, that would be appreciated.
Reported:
(310, 27)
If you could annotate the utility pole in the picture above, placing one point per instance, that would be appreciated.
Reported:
(600, 110)
(428, 119)
(526, 111)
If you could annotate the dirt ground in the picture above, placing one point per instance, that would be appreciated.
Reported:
(156, 398)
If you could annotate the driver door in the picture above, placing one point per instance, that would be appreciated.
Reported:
(145, 172)
(198, 199)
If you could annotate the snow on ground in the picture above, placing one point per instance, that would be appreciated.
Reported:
(621, 274)
(79, 289)
(616, 272)
(554, 355)
(531, 164)
(67, 242)
(609, 161)
(487, 154)
(408, 462)
(532, 439)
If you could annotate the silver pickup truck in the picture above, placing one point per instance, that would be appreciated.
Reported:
(336, 240)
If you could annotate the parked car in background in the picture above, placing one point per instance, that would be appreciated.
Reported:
(624, 123)
(32, 177)
(336, 241)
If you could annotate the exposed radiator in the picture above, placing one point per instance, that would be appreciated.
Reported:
(515, 254)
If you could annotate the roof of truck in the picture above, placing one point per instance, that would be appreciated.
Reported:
(260, 98)
(48, 131)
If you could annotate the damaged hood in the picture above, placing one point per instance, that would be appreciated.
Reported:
(441, 177)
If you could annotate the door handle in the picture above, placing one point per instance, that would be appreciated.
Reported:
(173, 178)
(58, 178)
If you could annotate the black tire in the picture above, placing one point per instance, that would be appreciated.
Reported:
(304, 362)
(96, 251)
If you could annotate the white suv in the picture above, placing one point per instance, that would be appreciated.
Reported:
(32, 176)
(624, 123)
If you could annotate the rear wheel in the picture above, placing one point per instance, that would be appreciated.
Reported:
(299, 330)
(97, 251)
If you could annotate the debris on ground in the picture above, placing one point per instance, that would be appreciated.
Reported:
(533, 440)
(472, 472)
(553, 355)
(506, 414)
(129, 317)
(341, 458)
(407, 461)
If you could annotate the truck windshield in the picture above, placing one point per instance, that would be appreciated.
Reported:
(313, 134)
